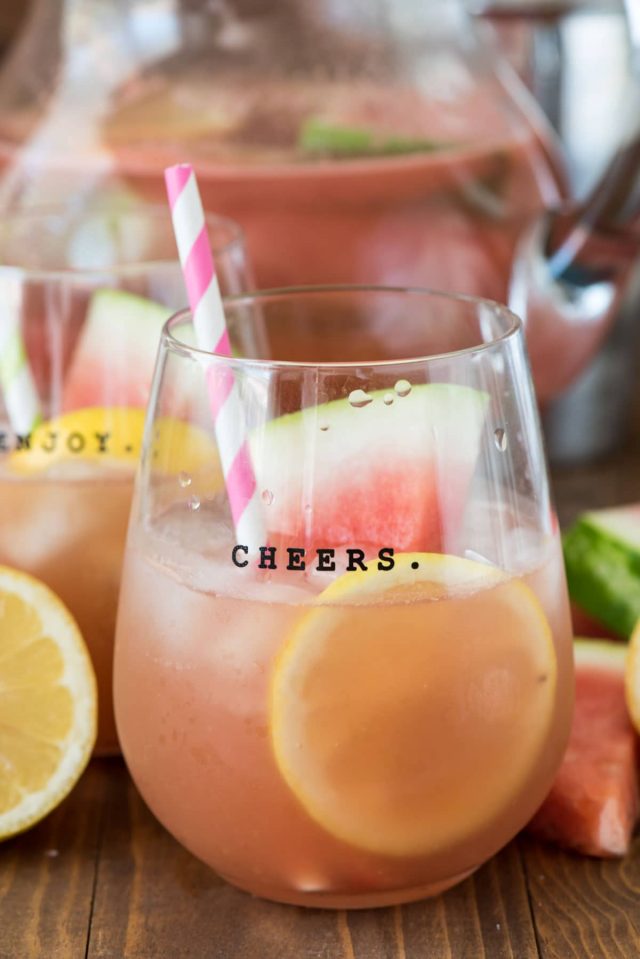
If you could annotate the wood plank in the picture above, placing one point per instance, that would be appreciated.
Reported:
(486, 917)
(47, 878)
(581, 906)
(154, 899)
(12, 18)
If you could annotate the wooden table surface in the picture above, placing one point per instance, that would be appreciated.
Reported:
(101, 879)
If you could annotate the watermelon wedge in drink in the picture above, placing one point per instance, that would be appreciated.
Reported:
(120, 375)
(367, 707)
(398, 470)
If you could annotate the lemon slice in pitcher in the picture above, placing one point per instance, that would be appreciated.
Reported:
(409, 708)
(112, 437)
(48, 704)
(94, 434)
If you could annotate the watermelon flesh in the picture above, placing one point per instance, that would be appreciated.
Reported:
(113, 361)
(378, 476)
(593, 805)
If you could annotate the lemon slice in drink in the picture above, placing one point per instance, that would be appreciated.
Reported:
(112, 437)
(48, 703)
(409, 708)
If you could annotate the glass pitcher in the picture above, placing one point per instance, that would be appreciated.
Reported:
(361, 142)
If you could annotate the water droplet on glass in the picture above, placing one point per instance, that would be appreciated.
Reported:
(500, 439)
(184, 480)
(359, 398)
(388, 399)
(324, 427)
(267, 496)
(194, 503)
(403, 387)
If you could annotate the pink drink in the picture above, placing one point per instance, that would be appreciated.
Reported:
(68, 528)
(445, 216)
(438, 199)
(91, 336)
(194, 667)
(369, 731)
(444, 209)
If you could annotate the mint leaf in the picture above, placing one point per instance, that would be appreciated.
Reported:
(318, 138)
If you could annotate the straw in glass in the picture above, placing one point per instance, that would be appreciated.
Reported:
(16, 379)
(211, 335)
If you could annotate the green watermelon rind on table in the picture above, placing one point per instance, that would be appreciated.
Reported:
(602, 559)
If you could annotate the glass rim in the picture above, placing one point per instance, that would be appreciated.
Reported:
(152, 211)
(514, 327)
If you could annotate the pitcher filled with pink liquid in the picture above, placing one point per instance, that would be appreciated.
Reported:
(378, 142)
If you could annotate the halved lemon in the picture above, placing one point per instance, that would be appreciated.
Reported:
(632, 677)
(410, 708)
(48, 703)
(112, 436)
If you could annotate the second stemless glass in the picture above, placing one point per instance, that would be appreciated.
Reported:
(85, 296)
(367, 708)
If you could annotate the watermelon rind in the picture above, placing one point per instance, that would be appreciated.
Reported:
(602, 559)
(600, 654)
(114, 357)
(109, 305)
(457, 412)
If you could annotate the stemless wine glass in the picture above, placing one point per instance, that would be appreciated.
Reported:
(365, 706)
(84, 297)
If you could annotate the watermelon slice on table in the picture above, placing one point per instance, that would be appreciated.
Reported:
(385, 476)
(593, 804)
(602, 558)
(112, 364)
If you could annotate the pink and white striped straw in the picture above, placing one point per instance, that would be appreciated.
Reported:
(210, 327)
